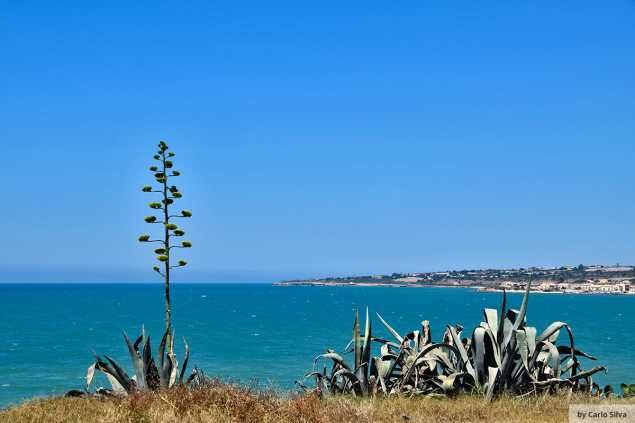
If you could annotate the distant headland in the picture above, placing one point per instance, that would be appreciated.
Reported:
(595, 279)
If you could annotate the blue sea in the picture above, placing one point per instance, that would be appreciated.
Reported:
(258, 332)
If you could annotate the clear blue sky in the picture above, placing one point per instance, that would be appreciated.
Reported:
(326, 139)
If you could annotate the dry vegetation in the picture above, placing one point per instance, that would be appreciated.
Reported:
(222, 403)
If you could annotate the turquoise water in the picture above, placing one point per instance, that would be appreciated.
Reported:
(256, 332)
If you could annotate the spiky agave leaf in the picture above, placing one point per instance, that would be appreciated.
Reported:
(150, 371)
(501, 321)
(116, 387)
(550, 331)
(173, 361)
(456, 340)
(587, 373)
(365, 355)
(116, 375)
(491, 318)
(338, 359)
(478, 355)
(167, 363)
(367, 339)
(90, 374)
(185, 360)
(137, 362)
(390, 329)
(520, 320)
(357, 342)
(493, 374)
(565, 350)
(523, 350)
(174, 370)
(161, 350)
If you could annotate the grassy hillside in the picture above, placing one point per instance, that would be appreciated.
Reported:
(232, 404)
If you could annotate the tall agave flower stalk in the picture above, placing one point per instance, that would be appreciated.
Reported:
(163, 173)
(149, 374)
(502, 355)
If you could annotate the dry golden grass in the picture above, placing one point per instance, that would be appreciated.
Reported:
(224, 403)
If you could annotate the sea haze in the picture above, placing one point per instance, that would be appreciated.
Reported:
(256, 332)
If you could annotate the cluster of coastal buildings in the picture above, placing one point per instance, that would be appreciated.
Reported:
(599, 286)
(564, 272)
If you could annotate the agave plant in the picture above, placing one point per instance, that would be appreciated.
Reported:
(344, 378)
(503, 355)
(149, 374)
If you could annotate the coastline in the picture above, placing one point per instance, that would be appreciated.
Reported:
(479, 288)
(582, 279)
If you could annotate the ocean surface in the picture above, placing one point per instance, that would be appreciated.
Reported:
(256, 332)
